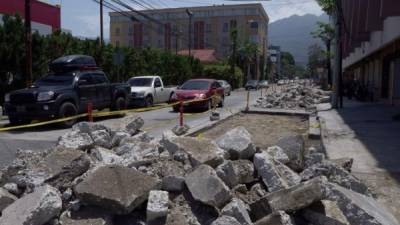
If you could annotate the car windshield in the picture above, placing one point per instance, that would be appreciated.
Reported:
(140, 82)
(195, 85)
(56, 80)
(221, 82)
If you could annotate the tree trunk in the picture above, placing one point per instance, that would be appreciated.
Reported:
(328, 62)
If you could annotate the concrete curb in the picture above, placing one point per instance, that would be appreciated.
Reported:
(282, 112)
(314, 129)
(199, 129)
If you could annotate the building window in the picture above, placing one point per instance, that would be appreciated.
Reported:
(225, 27)
(117, 44)
(117, 31)
(208, 27)
(254, 24)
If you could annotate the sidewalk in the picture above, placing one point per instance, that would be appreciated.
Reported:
(367, 133)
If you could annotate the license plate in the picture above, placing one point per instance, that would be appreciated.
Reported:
(21, 109)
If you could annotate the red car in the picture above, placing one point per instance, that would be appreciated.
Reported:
(201, 90)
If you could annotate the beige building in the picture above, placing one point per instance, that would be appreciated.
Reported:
(210, 29)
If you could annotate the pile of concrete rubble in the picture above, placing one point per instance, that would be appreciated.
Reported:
(98, 176)
(294, 96)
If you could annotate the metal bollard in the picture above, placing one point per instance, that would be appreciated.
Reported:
(90, 111)
(248, 101)
(181, 114)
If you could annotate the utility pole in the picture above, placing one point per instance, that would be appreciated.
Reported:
(101, 24)
(234, 46)
(28, 43)
(338, 99)
(190, 14)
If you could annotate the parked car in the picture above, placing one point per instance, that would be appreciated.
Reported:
(73, 83)
(252, 84)
(227, 87)
(264, 84)
(201, 90)
(148, 90)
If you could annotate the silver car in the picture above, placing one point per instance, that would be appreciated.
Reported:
(227, 87)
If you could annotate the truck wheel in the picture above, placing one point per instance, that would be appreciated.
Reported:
(120, 104)
(148, 101)
(16, 121)
(67, 109)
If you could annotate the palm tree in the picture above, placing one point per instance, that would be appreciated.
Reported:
(248, 53)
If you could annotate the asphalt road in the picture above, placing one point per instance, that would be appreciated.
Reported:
(156, 121)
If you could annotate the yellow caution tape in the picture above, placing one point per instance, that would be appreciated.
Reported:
(105, 114)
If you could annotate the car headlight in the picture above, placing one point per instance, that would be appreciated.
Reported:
(200, 96)
(45, 96)
(7, 98)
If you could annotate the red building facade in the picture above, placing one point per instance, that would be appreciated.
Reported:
(46, 18)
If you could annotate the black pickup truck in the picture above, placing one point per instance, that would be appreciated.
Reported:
(73, 83)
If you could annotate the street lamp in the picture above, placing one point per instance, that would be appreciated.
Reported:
(190, 14)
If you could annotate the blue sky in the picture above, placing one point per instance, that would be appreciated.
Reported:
(82, 16)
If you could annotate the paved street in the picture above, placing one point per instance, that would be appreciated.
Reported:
(155, 123)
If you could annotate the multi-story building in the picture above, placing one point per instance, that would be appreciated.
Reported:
(46, 18)
(210, 29)
(371, 46)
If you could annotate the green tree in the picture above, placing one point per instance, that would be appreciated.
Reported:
(327, 5)
(288, 65)
(326, 33)
(248, 53)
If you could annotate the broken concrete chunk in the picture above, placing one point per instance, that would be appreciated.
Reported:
(105, 156)
(299, 196)
(236, 172)
(6, 199)
(88, 127)
(313, 158)
(132, 153)
(116, 188)
(86, 216)
(157, 206)
(36, 208)
(345, 163)
(259, 208)
(173, 183)
(63, 166)
(358, 208)
(275, 175)
(76, 140)
(180, 130)
(238, 143)
(293, 146)
(133, 124)
(205, 186)
(200, 151)
(237, 209)
(225, 220)
(324, 212)
(13, 188)
(277, 218)
(266, 169)
(117, 137)
(337, 175)
(278, 154)
(102, 138)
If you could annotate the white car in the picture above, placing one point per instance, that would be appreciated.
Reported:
(149, 90)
